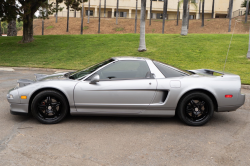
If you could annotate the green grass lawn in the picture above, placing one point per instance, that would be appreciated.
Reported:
(79, 51)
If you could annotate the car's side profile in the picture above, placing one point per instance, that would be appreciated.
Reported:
(128, 86)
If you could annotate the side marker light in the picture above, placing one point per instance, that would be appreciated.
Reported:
(228, 96)
(23, 97)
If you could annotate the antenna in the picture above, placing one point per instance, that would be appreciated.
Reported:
(229, 45)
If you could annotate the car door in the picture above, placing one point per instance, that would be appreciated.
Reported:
(125, 87)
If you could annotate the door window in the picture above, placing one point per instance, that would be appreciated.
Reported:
(125, 70)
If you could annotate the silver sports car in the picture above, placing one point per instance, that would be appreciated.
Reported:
(128, 86)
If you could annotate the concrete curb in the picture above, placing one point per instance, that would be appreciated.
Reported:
(11, 69)
(245, 87)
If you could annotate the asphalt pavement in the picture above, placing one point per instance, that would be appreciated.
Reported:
(87, 140)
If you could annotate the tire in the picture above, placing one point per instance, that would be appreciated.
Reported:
(49, 107)
(195, 109)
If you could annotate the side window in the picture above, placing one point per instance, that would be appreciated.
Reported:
(125, 70)
(167, 71)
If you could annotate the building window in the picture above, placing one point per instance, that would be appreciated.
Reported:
(115, 14)
(91, 12)
(121, 14)
(159, 16)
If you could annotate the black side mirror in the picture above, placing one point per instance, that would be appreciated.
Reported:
(149, 75)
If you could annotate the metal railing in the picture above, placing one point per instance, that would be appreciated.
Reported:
(239, 12)
(121, 14)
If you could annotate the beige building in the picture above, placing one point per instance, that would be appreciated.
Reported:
(127, 9)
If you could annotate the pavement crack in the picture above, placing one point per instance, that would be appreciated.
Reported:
(4, 142)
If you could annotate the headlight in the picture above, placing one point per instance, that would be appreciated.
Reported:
(9, 96)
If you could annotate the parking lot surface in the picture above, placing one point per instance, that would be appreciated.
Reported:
(89, 140)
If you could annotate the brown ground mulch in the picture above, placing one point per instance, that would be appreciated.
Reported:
(108, 26)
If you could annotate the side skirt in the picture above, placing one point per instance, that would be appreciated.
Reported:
(125, 112)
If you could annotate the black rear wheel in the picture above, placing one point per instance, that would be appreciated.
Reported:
(49, 107)
(195, 109)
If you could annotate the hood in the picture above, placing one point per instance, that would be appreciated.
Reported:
(43, 77)
(56, 76)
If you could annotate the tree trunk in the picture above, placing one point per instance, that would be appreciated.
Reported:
(28, 29)
(230, 15)
(75, 13)
(248, 53)
(178, 10)
(104, 8)
(200, 10)
(164, 16)
(99, 22)
(67, 20)
(82, 18)
(247, 10)
(56, 11)
(165, 11)
(184, 18)
(213, 9)
(150, 12)
(228, 12)
(142, 45)
(42, 27)
(88, 12)
(0, 28)
(136, 15)
(117, 12)
(203, 7)
(12, 28)
(188, 15)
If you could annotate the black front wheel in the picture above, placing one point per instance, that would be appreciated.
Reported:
(195, 109)
(49, 107)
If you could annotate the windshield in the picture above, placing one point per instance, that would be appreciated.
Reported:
(89, 70)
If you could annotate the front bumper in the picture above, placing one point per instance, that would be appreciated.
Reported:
(241, 101)
(19, 109)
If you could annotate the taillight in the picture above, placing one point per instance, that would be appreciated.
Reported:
(228, 96)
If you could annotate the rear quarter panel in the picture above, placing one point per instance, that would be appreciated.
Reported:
(219, 86)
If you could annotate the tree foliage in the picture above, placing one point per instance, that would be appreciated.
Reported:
(56, 6)
(74, 4)
(25, 10)
(12, 8)
(244, 4)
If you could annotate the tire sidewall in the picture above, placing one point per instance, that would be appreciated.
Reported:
(42, 95)
(186, 99)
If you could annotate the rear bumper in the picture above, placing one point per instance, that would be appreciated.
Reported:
(241, 101)
(19, 109)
